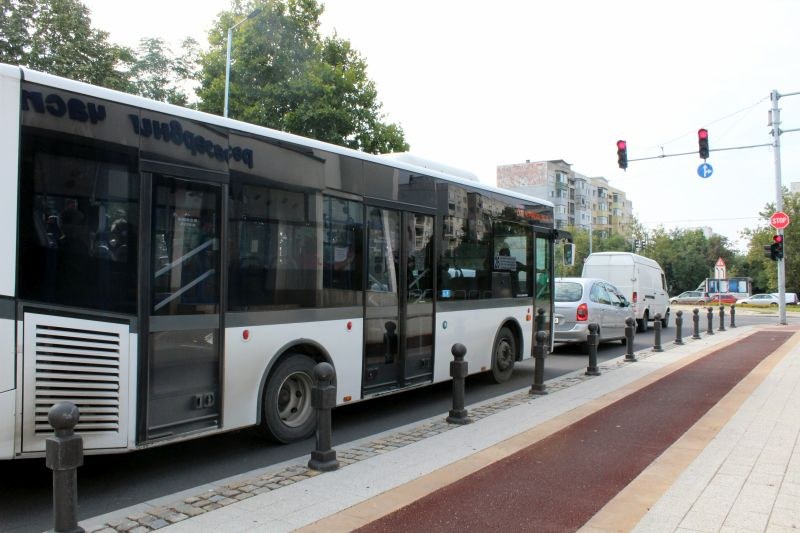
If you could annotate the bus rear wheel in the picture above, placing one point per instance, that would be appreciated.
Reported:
(287, 414)
(503, 356)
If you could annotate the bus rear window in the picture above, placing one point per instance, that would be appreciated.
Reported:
(78, 227)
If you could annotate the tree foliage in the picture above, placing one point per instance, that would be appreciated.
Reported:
(580, 237)
(284, 75)
(159, 74)
(688, 256)
(56, 36)
(763, 270)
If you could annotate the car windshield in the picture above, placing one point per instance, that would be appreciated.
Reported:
(568, 291)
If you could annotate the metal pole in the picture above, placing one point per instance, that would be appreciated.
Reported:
(696, 323)
(775, 122)
(678, 326)
(710, 330)
(458, 371)
(228, 57)
(591, 341)
(64, 454)
(228, 69)
(630, 323)
(657, 333)
(323, 399)
(538, 387)
(539, 323)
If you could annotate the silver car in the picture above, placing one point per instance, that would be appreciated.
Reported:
(582, 301)
(761, 299)
(690, 297)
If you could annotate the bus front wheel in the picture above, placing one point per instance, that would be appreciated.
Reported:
(503, 356)
(287, 414)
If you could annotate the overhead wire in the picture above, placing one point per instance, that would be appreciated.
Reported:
(715, 121)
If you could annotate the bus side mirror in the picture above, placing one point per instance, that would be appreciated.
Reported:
(569, 254)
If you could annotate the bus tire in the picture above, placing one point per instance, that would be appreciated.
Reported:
(503, 356)
(665, 320)
(287, 414)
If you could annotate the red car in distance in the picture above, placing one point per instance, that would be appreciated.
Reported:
(725, 298)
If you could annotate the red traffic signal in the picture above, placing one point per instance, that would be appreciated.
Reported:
(622, 154)
(702, 142)
(776, 248)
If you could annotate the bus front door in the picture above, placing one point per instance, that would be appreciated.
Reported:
(398, 320)
(183, 344)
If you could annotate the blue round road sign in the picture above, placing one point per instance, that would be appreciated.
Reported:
(705, 170)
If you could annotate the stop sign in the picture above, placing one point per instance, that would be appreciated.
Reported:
(779, 220)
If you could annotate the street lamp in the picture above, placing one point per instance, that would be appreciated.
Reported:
(228, 56)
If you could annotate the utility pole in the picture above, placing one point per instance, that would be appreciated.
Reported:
(775, 122)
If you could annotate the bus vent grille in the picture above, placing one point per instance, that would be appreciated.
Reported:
(82, 366)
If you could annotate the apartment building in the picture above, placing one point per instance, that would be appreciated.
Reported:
(580, 201)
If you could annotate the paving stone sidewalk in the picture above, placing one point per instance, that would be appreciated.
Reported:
(156, 517)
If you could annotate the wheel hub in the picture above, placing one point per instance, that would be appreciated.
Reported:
(294, 399)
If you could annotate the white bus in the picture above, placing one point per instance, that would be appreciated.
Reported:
(178, 274)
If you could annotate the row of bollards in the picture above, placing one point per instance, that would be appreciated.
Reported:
(64, 450)
(630, 323)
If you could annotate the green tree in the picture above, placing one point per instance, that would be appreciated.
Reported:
(158, 74)
(683, 254)
(759, 267)
(56, 36)
(284, 75)
(755, 265)
(580, 237)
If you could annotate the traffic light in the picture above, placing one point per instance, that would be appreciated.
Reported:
(622, 154)
(776, 248)
(702, 141)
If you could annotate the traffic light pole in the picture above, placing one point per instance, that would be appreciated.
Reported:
(775, 122)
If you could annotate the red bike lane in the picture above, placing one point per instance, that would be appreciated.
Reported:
(560, 482)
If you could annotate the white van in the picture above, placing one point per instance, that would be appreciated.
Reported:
(640, 279)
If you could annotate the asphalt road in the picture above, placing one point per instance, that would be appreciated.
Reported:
(109, 483)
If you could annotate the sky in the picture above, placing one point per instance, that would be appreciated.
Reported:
(476, 84)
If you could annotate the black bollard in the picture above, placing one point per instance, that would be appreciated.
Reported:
(323, 399)
(539, 320)
(591, 340)
(458, 371)
(538, 386)
(696, 323)
(64, 454)
(657, 333)
(630, 323)
(721, 318)
(733, 315)
(678, 326)
(710, 330)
